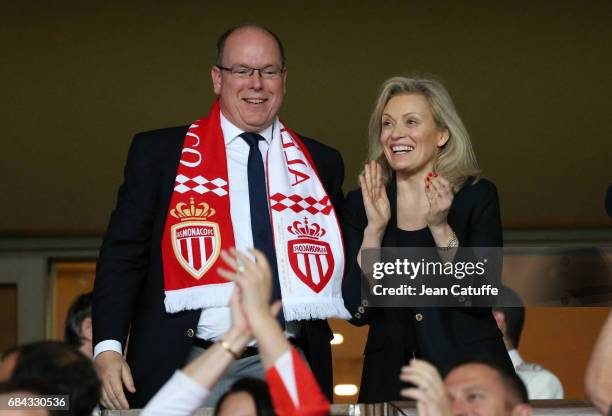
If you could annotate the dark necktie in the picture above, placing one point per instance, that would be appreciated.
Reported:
(260, 215)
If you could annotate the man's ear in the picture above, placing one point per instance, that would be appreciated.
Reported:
(86, 329)
(522, 409)
(285, 81)
(500, 319)
(217, 80)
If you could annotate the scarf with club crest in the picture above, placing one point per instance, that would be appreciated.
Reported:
(307, 238)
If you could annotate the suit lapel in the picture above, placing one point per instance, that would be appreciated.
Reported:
(169, 171)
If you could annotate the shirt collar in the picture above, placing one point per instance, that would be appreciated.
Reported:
(515, 357)
(231, 132)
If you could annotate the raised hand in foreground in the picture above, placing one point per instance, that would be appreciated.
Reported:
(428, 391)
(254, 283)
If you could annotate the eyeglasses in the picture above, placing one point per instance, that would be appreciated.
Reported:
(241, 71)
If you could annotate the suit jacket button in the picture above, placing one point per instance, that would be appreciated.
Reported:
(190, 333)
(361, 309)
(418, 317)
(357, 315)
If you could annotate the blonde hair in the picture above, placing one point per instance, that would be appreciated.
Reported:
(455, 161)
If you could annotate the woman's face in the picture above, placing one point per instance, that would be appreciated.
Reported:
(409, 136)
(238, 404)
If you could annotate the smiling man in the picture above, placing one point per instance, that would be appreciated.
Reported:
(484, 389)
(237, 178)
(473, 388)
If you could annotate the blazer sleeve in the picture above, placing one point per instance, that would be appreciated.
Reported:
(485, 229)
(124, 257)
(478, 211)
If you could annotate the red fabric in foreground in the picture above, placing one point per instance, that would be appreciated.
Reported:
(311, 400)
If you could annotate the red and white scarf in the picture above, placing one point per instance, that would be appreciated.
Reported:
(307, 238)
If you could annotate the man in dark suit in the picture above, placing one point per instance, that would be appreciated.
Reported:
(250, 79)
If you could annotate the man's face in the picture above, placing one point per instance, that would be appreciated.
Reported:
(476, 389)
(250, 103)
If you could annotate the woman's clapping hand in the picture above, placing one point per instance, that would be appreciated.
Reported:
(375, 201)
(440, 198)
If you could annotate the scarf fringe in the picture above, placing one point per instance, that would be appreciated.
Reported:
(198, 297)
(309, 309)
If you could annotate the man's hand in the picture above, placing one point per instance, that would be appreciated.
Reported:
(114, 372)
(429, 391)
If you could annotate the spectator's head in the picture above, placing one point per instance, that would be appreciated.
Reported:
(77, 330)
(11, 390)
(250, 99)
(62, 369)
(248, 397)
(485, 388)
(9, 360)
(510, 319)
(449, 148)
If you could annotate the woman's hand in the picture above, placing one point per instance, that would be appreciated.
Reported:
(440, 198)
(375, 201)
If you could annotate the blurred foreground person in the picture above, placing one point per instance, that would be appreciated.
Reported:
(472, 388)
(247, 396)
(599, 370)
(251, 317)
(57, 369)
(421, 188)
(541, 383)
(9, 390)
(77, 329)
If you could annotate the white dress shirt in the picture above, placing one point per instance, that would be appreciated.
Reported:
(214, 322)
(541, 384)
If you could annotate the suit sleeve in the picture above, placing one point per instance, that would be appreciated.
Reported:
(294, 389)
(124, 257)
(353, 225)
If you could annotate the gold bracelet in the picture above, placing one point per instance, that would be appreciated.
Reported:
(226, 346)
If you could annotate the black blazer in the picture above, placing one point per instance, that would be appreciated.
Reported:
(129, 289)
(443, 336)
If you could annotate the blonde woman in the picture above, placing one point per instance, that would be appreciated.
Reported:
(420, 188)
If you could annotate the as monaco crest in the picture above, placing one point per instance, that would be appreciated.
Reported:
(311, 260)
(196, 242)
